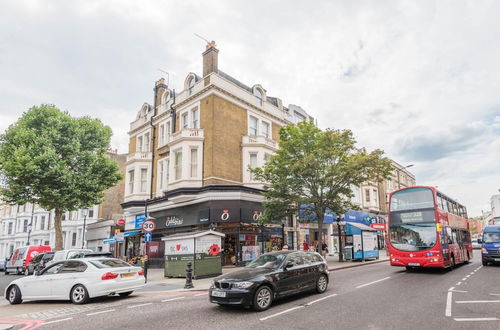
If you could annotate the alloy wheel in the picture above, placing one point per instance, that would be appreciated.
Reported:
(78, 294)
(322, 283)
(12, 294)
(264, 298)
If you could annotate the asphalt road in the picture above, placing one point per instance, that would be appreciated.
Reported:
(370, 297)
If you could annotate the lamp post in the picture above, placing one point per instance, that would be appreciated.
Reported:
(398, 170)
(85, 211)
(31, 223)
(283, 223)
(340, 222)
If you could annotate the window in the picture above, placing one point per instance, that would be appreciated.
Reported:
(42, 222)
(253, 164)
(375, 199)
(73, 266)
(146, 142)
(165, 97)
(178, 165)
(109, 263)
(167, 171)
(139, 144)
(367, 195)
(252, 129)
(91, 212)
(265, 129)
(73, 240)
(131, 181)
(191, 85)
(195, 118)
(258, 94)
(298, 117)
(194, 162)
(25, 226)
(162, 134)
(160, 175)
(53, 270)
(10, 228)
(144, 179)
(167, 131)
(185, 123)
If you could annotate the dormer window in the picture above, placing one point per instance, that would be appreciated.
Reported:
(165, 97)
(259, 95)
(191, 85)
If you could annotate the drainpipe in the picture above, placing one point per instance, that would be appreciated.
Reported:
(174, 113)
(155, 103)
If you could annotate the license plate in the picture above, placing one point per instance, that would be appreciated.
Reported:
(413, 264)
(128, 275)
(221, 294)
(497, 259)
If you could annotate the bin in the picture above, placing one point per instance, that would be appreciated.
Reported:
(347, 252)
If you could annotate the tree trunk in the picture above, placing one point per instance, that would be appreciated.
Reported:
(58, 229)
(320, 233)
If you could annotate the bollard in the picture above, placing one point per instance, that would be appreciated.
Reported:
(189, 276)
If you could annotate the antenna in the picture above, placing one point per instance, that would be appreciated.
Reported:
(168, 75)
(196, 34)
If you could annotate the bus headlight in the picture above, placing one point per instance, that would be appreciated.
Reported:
(484, 250)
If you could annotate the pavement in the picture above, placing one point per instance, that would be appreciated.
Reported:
(157, 282)
(375, 296)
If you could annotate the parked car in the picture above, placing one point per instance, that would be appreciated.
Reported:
(22, 256)
(3, 261)
(77, 280)
(38, 262)
(269, 277)
(476, 243)
(68, 254)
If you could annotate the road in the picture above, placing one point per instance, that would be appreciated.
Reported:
(374, 296)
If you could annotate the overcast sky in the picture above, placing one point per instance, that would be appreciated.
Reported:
(418, 79)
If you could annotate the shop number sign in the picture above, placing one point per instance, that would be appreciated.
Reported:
(148, 226)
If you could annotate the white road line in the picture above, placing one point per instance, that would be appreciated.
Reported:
(460, 291)
(101, 312)
(477, 319)
(282, 312)
(464, 279)
(140, 305)
(201, 294)
(467, 276)
(458, 283)
(477, 301)
(315, 301)
(448, 304)
(451, 289)
(60, 320)
(472, 273)
(363, 285)
(172, 299)
(495, 294)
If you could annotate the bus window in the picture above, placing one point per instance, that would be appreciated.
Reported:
(448, 235)
(454, 236)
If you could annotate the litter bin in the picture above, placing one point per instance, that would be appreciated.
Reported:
(347, 252)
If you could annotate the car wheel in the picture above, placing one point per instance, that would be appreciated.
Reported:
(14, 296)
(125, 294)
(27, 272)
(321, 283)
(79, 294)
(263, 298)
(485, 263)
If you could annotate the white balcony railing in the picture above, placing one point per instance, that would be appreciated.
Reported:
(188, 134)
(139, 156)
(259, 141)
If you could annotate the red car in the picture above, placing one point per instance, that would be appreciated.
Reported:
(22, 256)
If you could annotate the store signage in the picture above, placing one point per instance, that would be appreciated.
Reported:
(139, 219)
(225, 215)
(378, 226)
(120, 222)
(171, 221)
(256, 215)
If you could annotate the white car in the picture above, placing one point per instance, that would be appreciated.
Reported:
(77, 280)
(475, 244)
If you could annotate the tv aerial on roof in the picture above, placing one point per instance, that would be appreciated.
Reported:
(165, 72)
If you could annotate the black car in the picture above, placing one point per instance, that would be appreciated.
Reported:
(38, 262)
(270, 277)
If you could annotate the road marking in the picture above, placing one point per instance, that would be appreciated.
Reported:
(472, 273)
(477, 319)
(101, 312)
(201, 294)
(460, 291)
(451, 289)
(458, 283)
(448, 304)
(363, 285)
(464, 279)
(477, 301)
(467, 276)
(282, 312)
(317, 300)
(172, 299)
(140, 305)
(495, 294)
(60, 320)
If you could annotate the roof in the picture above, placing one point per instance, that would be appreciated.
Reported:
(192, 235)
(235, 81)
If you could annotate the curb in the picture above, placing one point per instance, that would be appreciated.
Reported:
(358, 265)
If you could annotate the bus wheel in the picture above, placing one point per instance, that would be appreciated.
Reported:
(485, 263)
(468, 258)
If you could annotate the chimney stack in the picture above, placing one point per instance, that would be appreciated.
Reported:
(210, 59)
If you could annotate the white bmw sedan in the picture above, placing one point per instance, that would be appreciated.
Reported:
(77, 280)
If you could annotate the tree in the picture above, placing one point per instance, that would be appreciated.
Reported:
(316, 170)
(56, 161)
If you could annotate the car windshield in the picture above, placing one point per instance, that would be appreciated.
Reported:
(492, 237)
(413, 237)
(109, 263)
(271, 261)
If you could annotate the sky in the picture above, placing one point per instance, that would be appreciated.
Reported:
(417, 79)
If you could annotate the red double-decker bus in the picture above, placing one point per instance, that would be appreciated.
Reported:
(427, 229)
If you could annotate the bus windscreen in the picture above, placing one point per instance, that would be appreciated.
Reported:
(412, 199)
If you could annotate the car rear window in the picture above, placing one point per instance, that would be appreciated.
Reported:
(109, 263)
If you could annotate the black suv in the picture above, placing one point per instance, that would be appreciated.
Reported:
(38, 262)
(269, 277)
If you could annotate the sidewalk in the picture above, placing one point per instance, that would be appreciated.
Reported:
(158, 283)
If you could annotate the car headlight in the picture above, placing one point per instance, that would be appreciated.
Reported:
(484, 250)
(242, 285)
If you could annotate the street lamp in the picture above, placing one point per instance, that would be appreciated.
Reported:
(397, 170)
(31, 223)
(340, 222)
(283, 223)
(85, 211)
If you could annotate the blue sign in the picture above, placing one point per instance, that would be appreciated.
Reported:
(148, 237)
(306, 214)
(139, 219)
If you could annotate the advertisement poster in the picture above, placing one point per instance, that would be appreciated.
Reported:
(370, 244)
(209, 244)
(181, 246)
(250, 252)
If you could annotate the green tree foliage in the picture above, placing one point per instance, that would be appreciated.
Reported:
(319, 169)
(56, 161)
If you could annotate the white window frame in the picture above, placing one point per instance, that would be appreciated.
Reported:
(161, 173)
(178, 164)
(162, 134)
(252, 166)
(146, 142)
(262, 123)
(250, 128)
(185, 120)
(193, 164)
(195, 118)
(143, 181)
(139, 144)
(131, 175)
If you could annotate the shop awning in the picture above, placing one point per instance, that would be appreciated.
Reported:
(110, 240)
(361, 226)
(131, 233)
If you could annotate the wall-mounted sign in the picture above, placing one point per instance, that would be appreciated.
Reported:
(171, 221)
(120, 222)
